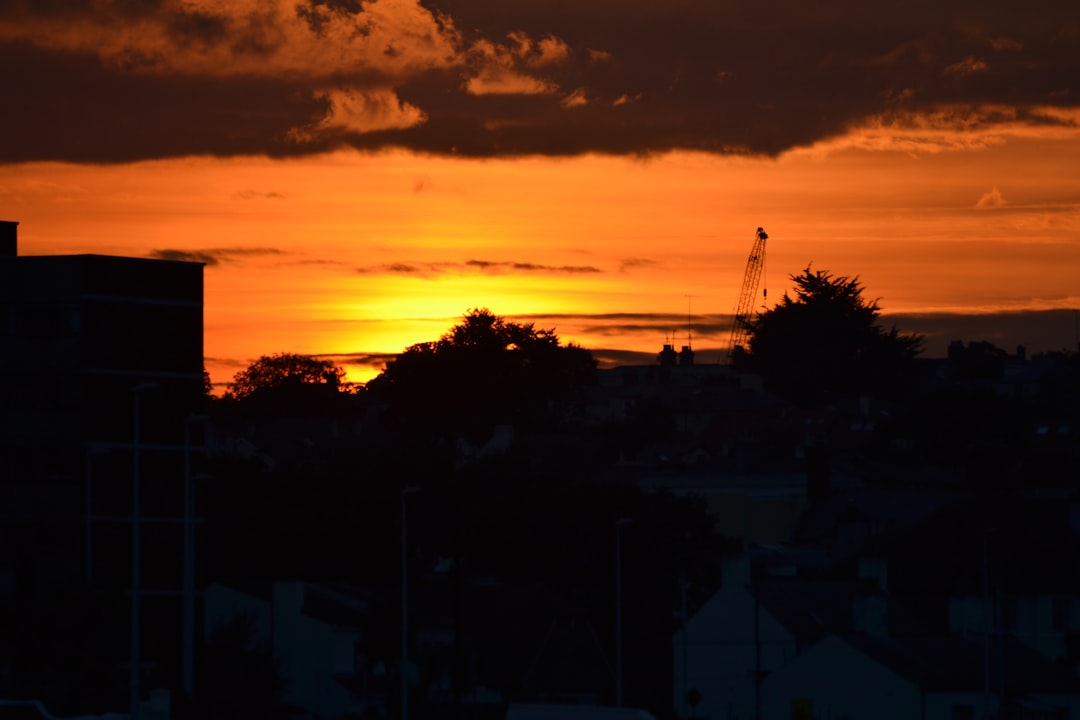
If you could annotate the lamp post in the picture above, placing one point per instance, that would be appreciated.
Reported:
(188, 629)
(90, 455)
(136, 559)
(618, 608)
(685, 655)
(405, 493)
(987, 627)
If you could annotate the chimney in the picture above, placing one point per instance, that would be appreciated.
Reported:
(668, 356)
(9, 238)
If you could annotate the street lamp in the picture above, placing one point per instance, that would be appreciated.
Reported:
(619, 524)
(405, 493)
(683, 585)
(987, 614)
(90, 455)
(188, 669)
(136, 559)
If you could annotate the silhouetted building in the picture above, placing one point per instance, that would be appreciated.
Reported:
(89, 343)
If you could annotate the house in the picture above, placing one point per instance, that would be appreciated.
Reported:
(157, 707)
(511, 643)
(936, 678)
(524, 711)
(1010, 565)
(722, 648)
(758, 623)
(753, 507)
(318, 634)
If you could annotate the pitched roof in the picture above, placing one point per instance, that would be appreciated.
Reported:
(570, 660)
(954, 663)
(519, 638)
(1029, 543)
(22, 710)
(813, 608)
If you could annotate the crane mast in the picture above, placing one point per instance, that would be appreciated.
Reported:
(755, 265)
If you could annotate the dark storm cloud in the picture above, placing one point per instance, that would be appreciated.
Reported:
(211, 256)
(66, 106)
(484, 78)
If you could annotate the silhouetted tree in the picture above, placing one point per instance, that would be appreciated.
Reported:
(283, 370)
(484, 371)
(827, 341)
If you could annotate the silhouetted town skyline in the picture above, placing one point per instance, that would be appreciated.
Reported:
(495, 526)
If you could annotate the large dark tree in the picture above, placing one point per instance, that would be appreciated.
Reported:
(484, 371)
(826, 341)
(284, 370)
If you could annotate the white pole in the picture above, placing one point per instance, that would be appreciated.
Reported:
(685, 654)
(618, 609)
(405, 606)
(90, 455)
(188, 630)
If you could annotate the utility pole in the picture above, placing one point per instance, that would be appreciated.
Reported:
(90, 455)
(685, 652)
(618, 608)
(405, 493)
(188, 625)
(987, 622)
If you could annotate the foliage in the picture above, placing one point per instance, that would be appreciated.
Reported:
(826, 341)
(284, 370)
(241, 676)
(484, 371)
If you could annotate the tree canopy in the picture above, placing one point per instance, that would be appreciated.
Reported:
(284, 370)
(827, 341)
(484, 371)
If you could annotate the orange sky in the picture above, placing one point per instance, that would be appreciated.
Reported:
(535, 166)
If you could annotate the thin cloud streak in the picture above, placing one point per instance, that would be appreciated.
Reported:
(212, 256)
(637, 338)
(430, 270)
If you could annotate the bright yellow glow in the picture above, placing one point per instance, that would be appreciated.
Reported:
(367, 254)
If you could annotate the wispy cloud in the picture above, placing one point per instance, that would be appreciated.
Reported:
(502, 267)
(258, 195)
(486, 267)
(628, 264)
(213, 256)
(991, 199)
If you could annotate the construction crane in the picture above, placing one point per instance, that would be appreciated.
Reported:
(755, 266)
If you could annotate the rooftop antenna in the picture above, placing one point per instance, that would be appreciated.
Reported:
(689, 321)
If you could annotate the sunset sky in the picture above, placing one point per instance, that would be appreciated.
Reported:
(357, 175)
